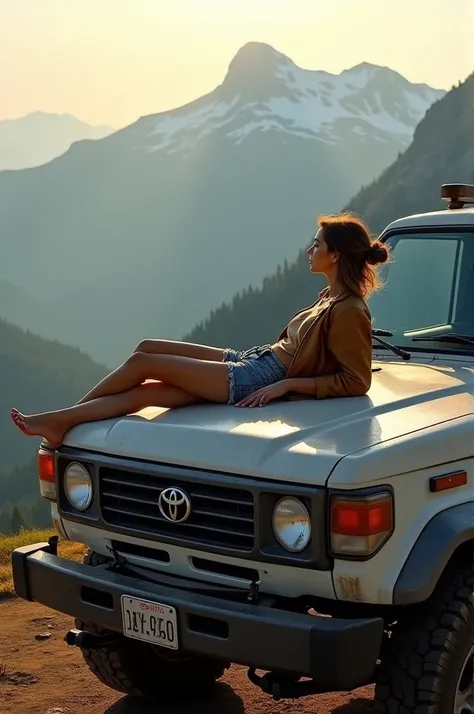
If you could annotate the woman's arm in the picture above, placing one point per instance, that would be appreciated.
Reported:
(303, 385)
(350, 342)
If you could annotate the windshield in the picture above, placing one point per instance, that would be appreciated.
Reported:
(428, 289)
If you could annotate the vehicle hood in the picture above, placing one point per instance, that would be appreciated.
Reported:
(301, 440)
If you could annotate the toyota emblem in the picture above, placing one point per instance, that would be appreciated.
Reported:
(174, 505)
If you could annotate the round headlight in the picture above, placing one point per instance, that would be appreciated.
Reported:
(78, 486)
(292, 524)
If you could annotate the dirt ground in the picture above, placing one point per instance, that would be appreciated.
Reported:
(45, 676)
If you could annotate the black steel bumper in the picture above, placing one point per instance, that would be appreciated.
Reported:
(338, 654)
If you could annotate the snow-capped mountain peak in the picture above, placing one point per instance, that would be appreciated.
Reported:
(257, 71)
(265, 91)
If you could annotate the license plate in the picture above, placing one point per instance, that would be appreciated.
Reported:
(150, 622)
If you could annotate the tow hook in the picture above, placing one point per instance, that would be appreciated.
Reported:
(88, 640)
(118, 562)
(283, 685)
(254, 594)
(53, 544)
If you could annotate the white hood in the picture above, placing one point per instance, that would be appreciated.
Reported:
(302, 440)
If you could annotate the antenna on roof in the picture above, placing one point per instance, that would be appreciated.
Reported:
(458, 194)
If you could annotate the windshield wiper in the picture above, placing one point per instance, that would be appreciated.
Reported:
(452, 337)
(378, 334)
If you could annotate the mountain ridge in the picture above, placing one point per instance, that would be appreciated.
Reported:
(259, 75)
(177, 207)
(267, 53)
(39, 137)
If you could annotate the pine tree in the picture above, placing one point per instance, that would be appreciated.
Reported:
(17, 522)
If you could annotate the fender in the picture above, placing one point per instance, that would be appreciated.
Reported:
(429, 556)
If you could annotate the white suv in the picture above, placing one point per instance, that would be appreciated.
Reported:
(326, 543)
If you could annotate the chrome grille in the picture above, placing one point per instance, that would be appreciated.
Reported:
(220, 516)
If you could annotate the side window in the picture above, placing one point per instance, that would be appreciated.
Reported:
(464, 314)
(418, 284)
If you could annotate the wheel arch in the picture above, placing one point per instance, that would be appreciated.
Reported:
(448, 535)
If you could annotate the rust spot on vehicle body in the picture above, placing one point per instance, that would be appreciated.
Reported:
(349, 588)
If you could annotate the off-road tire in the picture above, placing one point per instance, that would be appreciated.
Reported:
(139, 670)
(422, 661)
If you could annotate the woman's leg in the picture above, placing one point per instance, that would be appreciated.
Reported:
(180, 349)
(53, 425)
(163, 347)
(203, 379)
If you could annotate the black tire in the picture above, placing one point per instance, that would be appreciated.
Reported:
(142, 670)
(422, 662)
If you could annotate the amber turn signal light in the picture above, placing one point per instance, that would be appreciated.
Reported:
(443, 483)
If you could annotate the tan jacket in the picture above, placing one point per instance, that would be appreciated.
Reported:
(336, 349)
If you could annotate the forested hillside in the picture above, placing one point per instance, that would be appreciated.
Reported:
(20, 501)
(35, 375)
(442, 152)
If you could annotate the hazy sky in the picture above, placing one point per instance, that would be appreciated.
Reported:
(110, 61)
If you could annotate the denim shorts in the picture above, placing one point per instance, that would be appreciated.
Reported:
(252, 369)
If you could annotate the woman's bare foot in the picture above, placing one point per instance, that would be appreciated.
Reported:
(38, 425)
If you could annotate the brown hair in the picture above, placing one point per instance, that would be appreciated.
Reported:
(359, 252)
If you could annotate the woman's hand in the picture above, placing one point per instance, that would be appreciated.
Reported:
(265, 395)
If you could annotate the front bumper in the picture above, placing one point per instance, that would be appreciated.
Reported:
(338, 654)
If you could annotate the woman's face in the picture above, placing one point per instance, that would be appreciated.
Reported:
(321, 260)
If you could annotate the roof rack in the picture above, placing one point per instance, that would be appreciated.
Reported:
(458, 194)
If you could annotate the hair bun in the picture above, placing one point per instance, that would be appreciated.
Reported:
(377, 253)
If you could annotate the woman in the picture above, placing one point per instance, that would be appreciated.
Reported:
(324, 351)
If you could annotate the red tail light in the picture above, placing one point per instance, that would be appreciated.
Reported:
(360, 525)
(46, 473)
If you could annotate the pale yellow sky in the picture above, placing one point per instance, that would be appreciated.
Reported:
(111, 61)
